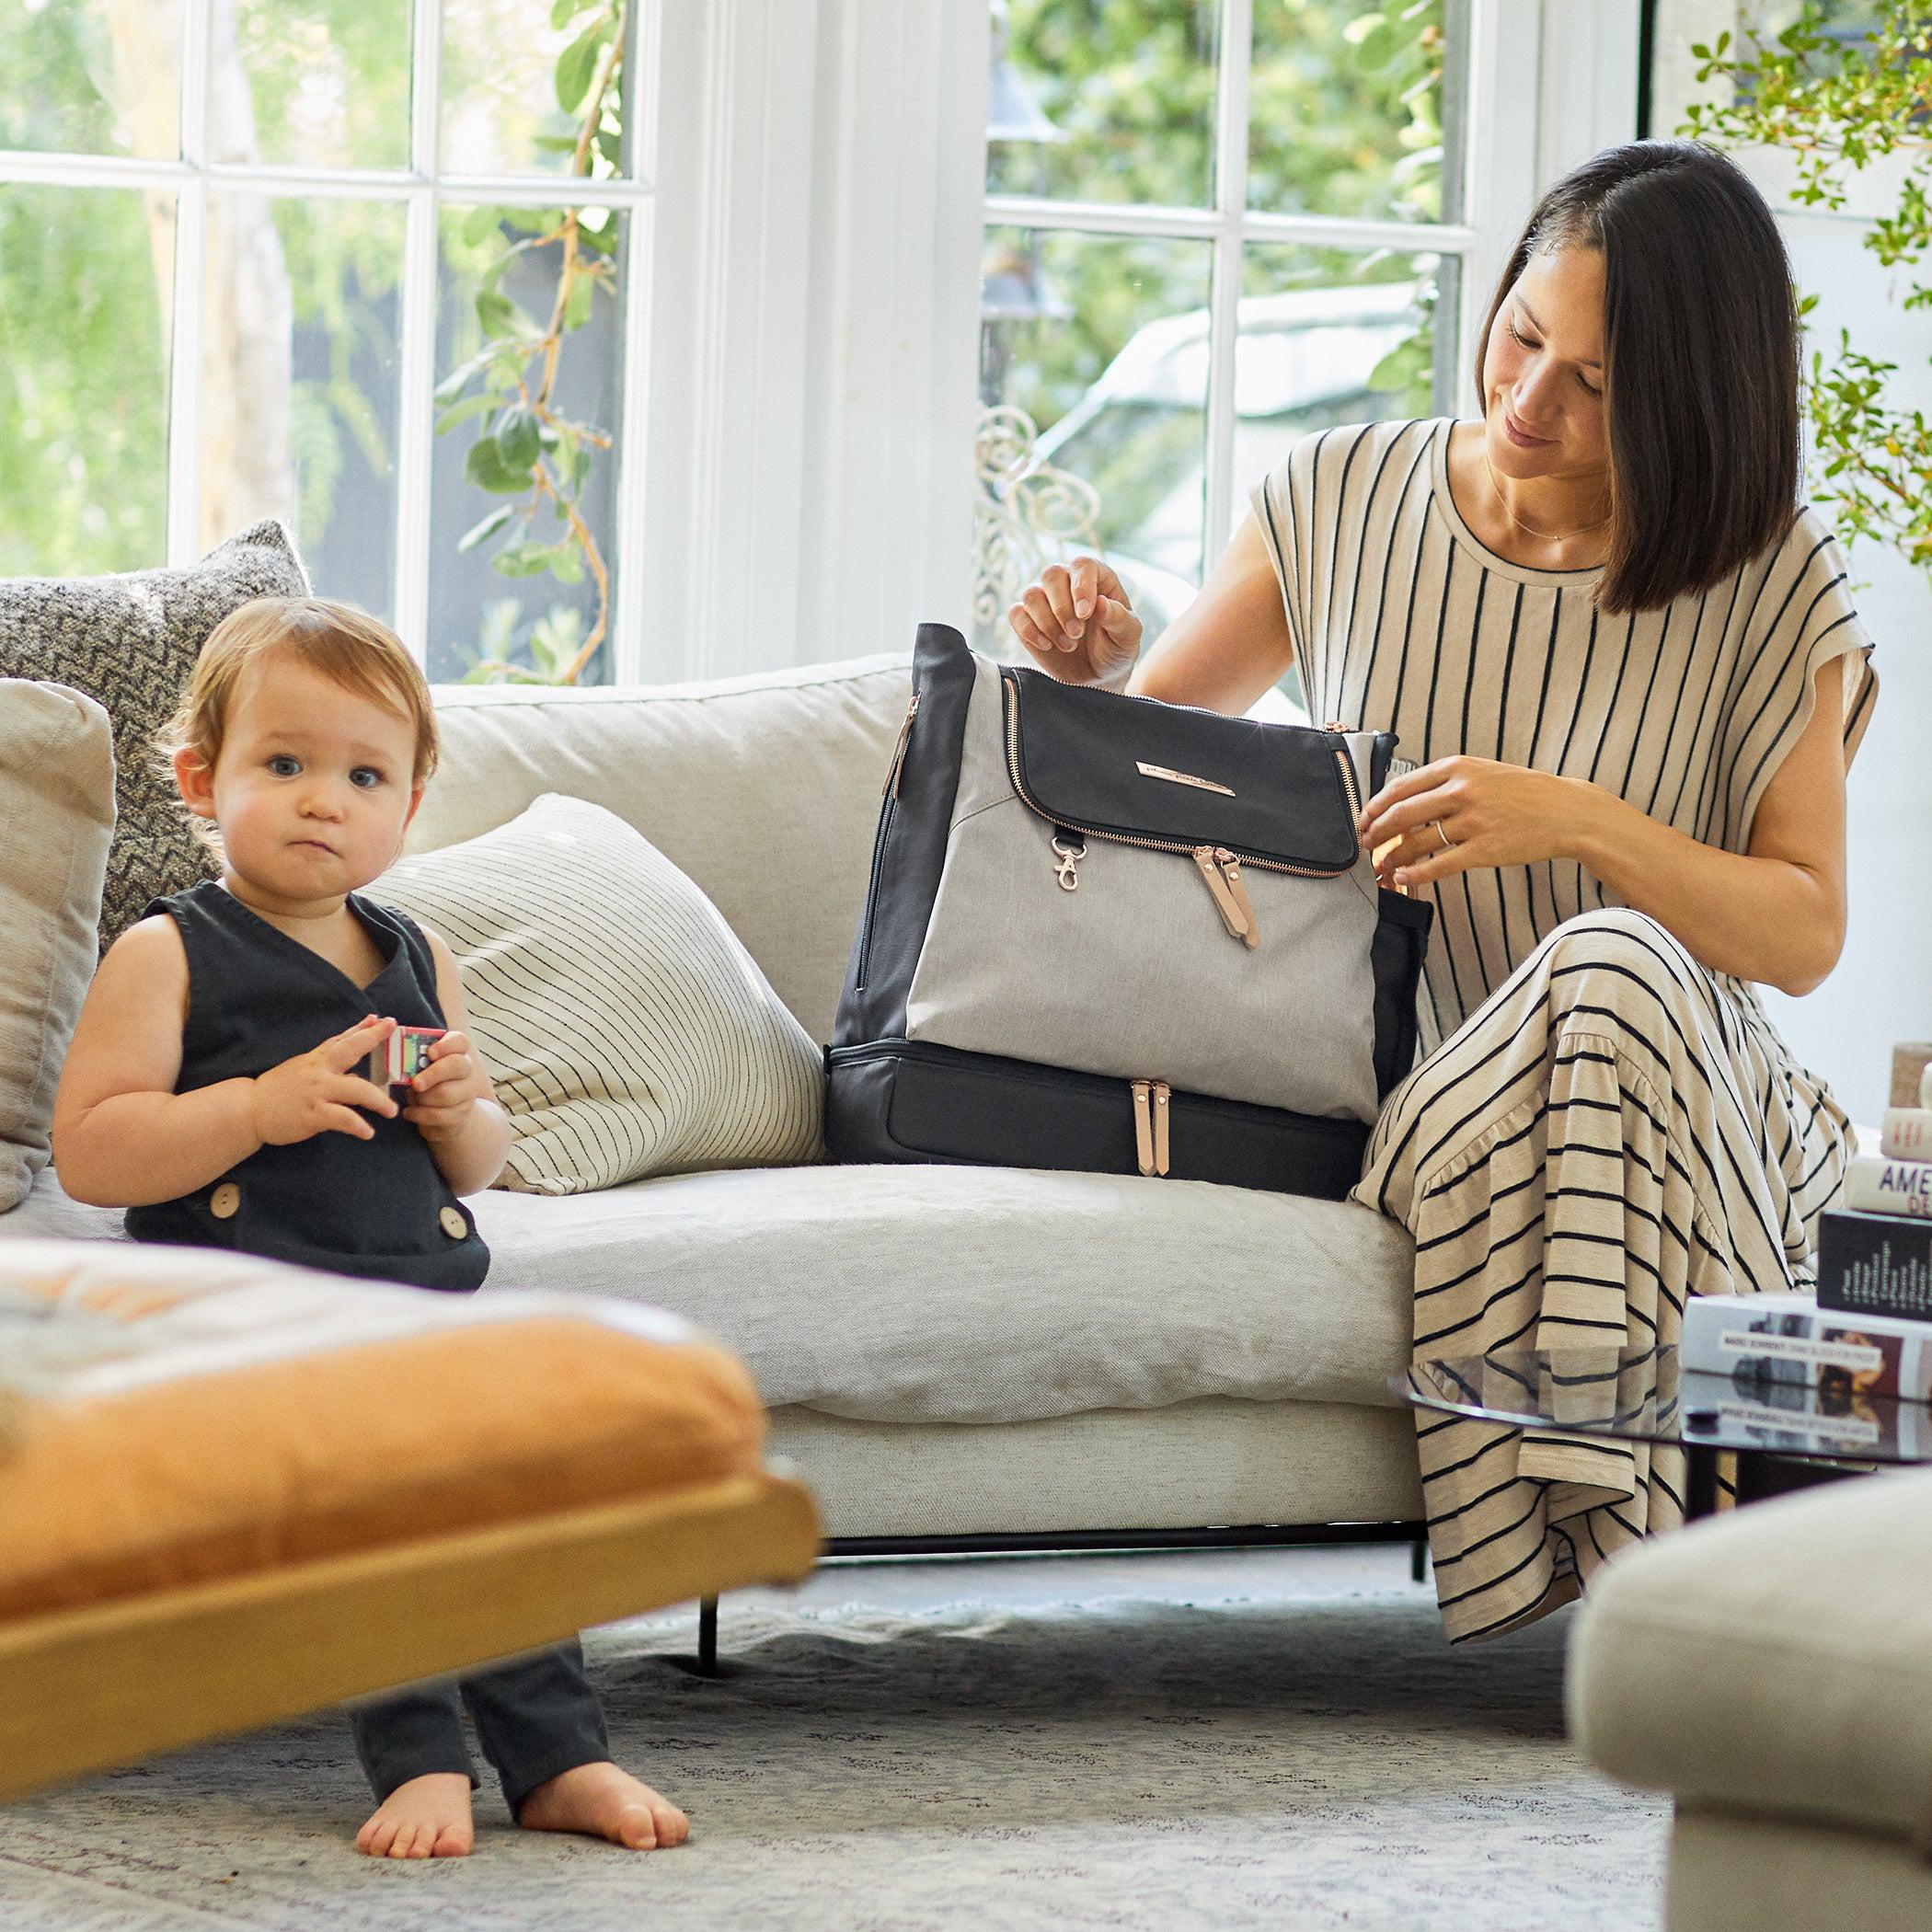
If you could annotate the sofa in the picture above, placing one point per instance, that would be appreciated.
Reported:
(1771, 1668)
(946, 1353)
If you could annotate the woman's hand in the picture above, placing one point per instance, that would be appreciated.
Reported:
(1078, 625)
(315, 1092)
(443, 1096)
(1490, 815)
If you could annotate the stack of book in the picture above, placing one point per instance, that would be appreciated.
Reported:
(1874, 1251)
(1867, 1333)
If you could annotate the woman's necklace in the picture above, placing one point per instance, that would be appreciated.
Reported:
(1545, 536)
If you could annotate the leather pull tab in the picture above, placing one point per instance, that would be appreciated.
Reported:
(1225, 901)
(1162, 1111)
(1143, 1124)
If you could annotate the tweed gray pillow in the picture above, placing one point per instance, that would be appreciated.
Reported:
(131, 643)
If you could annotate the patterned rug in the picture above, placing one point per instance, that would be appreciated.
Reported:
(1321, 1762)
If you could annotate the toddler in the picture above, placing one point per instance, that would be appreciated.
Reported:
(214, 1089)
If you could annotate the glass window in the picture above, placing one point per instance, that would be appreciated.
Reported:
(518, 79)
(325, 312)
(1099, 343)
(300, 389)
(1103, 100)
(327, 81)
(85, 279)
(1328, 336)
(91, 77)
(1150, 353)
(523, 496)
(1345, 109)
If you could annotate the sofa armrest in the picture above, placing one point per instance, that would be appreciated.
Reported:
(1777, 1658)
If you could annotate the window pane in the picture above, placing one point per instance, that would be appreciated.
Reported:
(1103, 100)
(86, 274)
(92, 78)
(328, 81)
(1346, 107)
(1100, 345)
(300, 402)
(527, 408)
(1331, 337)
(517, 90)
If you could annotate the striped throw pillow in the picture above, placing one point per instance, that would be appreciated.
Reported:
(627, 1030)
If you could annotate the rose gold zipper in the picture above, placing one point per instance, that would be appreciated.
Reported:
(905, 732)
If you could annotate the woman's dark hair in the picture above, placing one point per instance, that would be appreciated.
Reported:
(1701, 360)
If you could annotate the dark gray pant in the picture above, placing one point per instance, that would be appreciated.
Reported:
(535, 1716)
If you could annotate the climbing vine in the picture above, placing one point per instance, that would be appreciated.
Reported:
(527, 448)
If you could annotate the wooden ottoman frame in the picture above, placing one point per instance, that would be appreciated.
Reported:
(82, 1690)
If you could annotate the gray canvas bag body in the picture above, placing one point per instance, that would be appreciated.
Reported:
(1104, 932)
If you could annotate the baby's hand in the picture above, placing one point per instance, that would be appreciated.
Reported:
(316, 1093)
(443, 1096)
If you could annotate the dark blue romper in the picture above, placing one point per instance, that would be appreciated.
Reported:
(379, 1208)
(257, 997)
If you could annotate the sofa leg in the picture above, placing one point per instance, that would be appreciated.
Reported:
(707, 1637)
(1418, 1559)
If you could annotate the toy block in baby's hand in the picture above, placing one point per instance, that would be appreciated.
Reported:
(402, 1056)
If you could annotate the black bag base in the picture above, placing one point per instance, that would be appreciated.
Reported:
(908, 1100)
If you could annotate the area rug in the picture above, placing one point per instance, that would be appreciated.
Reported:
(1315, 1763)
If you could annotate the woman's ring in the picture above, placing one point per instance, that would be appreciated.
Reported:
(1448, 842)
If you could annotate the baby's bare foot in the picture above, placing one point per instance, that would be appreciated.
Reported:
(427, 1818)
(603, 1803)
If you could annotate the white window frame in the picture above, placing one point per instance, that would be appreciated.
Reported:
(812, 484)
(800, 322)
(422, 188)
(1586, 96)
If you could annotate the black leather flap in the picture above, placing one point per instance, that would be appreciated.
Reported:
(1113, 763)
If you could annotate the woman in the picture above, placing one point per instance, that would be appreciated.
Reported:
(1627, 664)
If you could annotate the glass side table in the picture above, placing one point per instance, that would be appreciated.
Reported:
(1787, 1428)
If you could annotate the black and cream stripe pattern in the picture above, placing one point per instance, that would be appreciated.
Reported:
(1601, 1124)
(626, 1030)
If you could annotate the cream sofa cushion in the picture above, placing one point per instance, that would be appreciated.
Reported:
(56, 819)
(969, 1295)
(626, 1029)
(764, 790)
(1777, 1658)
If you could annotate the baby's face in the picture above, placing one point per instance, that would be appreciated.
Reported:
(314, 785)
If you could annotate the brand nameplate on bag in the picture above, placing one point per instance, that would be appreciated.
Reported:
(1162, 771)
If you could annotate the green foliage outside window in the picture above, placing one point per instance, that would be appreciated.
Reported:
(83, 386)
(1840, 106)
(525, 447)
(1345, 106)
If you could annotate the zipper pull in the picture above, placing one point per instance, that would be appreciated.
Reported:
(905, 732)
(1231, 871)
(1239, 923)
(1162, 1094)
(1143, 1125)
(1347, 767)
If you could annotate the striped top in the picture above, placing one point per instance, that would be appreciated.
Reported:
(1404, 620)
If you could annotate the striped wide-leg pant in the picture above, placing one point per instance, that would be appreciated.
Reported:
(1615, 1128)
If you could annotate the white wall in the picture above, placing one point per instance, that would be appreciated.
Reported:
(813, 327)
(1881, 989)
